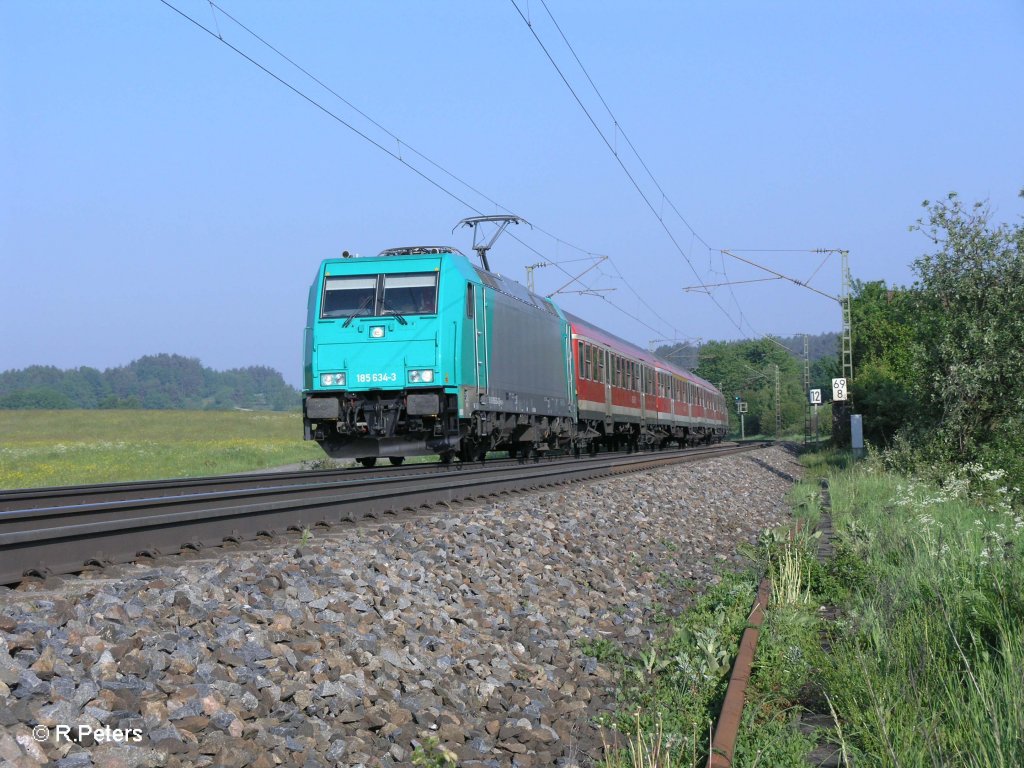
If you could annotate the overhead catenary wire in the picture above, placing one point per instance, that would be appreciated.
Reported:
(613, 147)
(732, 293)
(731, 282)
(793, 280)
(828, 255)
(399, 143)
(398, 140)
(776, 276)
(615, 154)
(801, 283)
(816, 271)
(321, 107)
(619, 129)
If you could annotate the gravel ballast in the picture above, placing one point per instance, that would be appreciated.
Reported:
(350, 647)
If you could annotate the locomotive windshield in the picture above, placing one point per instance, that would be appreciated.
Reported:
(410, 294)
(377, 295)
(349, 296)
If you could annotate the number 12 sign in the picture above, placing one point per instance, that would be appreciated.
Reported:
(815, 397)
(838, 389)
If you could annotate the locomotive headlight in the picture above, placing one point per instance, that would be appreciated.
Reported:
(421, 376)
(332, 379)
(376, 331)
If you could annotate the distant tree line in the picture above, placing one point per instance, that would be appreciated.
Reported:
(819, 345)
(154, 382)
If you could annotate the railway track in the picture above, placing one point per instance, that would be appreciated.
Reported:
(56, 531)
(30, 498)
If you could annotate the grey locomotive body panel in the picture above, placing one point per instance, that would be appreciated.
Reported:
(527, 367)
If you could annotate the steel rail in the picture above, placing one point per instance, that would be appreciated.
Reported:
(64, 539)
(25, 498)
(28, 498)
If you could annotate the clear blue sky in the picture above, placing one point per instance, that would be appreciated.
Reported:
(159, 193)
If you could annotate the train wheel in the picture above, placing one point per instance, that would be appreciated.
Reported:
(446, 457)
(396, 460)
(471, 450)
(368, 461)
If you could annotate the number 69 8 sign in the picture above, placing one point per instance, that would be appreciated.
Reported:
(838, 389)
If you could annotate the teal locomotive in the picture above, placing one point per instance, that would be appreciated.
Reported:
(417, 351)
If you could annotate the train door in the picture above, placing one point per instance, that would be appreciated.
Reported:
(476, 314)
(643, 392)
(606, 376)
(570, 368)
(483, 339)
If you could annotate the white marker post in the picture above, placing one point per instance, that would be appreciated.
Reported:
(815, 396)
(840, 394)
(838, 389)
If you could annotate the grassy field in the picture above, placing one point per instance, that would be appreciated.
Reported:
(44, 448)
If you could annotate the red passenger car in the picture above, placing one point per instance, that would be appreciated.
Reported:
(630, 398)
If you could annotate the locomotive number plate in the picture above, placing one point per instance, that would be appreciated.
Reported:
(374, 378)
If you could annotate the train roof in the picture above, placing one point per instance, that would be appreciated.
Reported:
(420, 250)
(631, 349)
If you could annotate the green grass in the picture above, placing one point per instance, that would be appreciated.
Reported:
(45, 448)
(788, 651)
(670, 691)
(785, 437)
(932, 671)
(927, 658)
